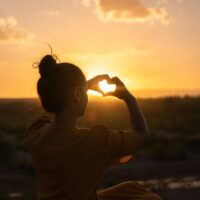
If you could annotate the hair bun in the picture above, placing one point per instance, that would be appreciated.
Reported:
(46, 65)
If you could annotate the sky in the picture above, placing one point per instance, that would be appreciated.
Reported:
(153, 46)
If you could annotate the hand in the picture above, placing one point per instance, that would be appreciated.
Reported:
(121, 91)
(93, 84)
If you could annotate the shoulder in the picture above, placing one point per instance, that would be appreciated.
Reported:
(96, 135)
(100, 134)
(39, 122)
(99, 127)
(100, 131)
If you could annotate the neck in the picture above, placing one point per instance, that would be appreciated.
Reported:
(67, 117)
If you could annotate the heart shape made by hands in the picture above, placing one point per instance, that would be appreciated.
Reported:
(105, 87)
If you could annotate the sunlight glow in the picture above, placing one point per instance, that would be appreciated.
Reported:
(150, 60)
(92, 92)
(105, 87)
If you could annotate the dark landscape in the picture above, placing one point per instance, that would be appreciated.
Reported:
(168, 165)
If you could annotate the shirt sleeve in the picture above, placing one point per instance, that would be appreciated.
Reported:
(117, 146)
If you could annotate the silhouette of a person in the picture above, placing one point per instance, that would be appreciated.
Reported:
(69, 161)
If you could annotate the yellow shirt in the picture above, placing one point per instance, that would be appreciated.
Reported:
(69, 162)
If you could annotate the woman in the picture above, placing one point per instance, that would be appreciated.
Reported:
(69, 161)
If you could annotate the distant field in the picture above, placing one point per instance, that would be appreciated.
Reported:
(170, 119)
(172, 114)
(174, 124)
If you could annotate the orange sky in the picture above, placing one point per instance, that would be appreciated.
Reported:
(152, 45)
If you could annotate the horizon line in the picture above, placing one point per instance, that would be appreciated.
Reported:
(138, 93)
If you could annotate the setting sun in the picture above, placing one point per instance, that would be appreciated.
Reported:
(147, 50)
(105, 87)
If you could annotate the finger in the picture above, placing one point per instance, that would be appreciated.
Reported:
(95, 78)
(117, 81)
(104, 76)
(100, 91)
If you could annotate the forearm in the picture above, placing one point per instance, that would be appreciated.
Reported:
(138, 121)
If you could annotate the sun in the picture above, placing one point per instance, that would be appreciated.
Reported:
(105, 87)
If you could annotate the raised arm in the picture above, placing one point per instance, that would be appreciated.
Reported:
(138, 122)
(139, 134)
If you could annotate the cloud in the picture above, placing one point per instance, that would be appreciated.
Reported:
(132, 11)
(10, 31)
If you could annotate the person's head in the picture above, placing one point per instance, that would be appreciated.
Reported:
(61, 86)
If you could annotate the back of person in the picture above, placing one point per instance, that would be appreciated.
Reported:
(70, 161)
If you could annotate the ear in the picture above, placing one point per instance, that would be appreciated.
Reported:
(77, 94)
